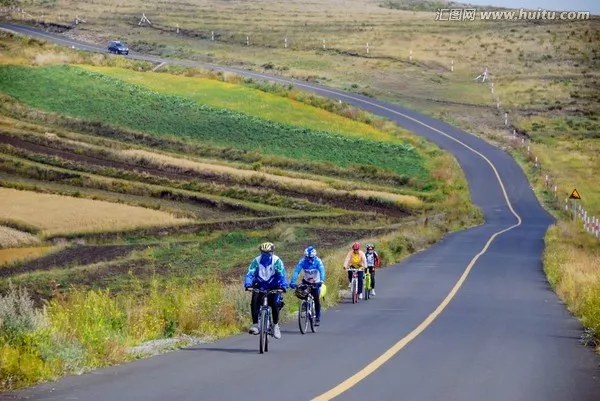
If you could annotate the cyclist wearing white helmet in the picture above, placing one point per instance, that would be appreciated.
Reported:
(314, 273)
(266, 272)
(373, 261)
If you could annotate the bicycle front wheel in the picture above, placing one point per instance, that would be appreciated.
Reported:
(263, 332)
(313, 316)
(354, 290)
(303, 317)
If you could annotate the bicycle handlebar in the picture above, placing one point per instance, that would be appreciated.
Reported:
(266, 291)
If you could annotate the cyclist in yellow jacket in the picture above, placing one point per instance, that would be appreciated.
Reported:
(356, 259)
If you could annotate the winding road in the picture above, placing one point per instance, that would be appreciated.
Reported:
(470, 319)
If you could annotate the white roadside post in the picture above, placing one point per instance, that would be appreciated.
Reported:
(212, 35)
(410, 57)
(452, 66)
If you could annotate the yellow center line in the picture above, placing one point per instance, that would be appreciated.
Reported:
(387, 355)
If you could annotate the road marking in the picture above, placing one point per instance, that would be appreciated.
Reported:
(387, 355)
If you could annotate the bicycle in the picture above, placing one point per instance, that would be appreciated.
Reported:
(367, 285)
(306, 312)
(354, 284)
(265, 320)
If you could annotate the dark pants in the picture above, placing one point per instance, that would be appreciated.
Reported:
(372, 272)
(361, 275)
(316, 293)
(255, 305)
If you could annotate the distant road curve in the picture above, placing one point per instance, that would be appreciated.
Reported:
(471, 318)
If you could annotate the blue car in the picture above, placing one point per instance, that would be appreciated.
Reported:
(118, 47)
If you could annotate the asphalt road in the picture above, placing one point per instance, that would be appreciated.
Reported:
(447, 327)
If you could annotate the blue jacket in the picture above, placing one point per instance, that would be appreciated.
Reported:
(314, 270)
(267, 272)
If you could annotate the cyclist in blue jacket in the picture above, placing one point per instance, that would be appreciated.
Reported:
(314, 273)
(266, 272)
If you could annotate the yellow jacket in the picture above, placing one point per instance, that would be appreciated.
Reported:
(356, 260)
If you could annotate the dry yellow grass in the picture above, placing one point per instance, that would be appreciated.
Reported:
(403, 199)
(11, 238)
(56, 214)
(16, 254)
(162, 159)
(571, 262)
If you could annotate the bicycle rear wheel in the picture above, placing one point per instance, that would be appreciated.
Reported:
(263, 341)
(303, 317)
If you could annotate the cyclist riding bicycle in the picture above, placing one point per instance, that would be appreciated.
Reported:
(266, 272)
(314, 273)
(356, 259)
(373, 261)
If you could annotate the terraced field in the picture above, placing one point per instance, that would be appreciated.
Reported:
(120, 158)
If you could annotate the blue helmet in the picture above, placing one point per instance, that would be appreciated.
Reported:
(310, 252)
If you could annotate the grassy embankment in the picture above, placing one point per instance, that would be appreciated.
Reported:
(88, 137)
(545, 73)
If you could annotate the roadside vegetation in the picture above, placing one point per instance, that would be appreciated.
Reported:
(121, 185)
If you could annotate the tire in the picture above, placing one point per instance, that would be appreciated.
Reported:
(354, 291)
(312, 316)
(303, 320)
(367, 289)
(262, 332)
(269, 330)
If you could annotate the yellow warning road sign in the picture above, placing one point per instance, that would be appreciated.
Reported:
(574, 195)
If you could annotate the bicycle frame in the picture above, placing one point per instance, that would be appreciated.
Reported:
(354, 284)
(265, 320)
(307, 308)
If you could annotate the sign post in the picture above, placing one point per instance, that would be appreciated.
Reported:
(575, 196)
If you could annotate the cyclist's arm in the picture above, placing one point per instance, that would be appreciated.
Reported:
(281, 274)
(347, 261)
(322, 270)
(297, 271)
(251, 274)
(363, 260)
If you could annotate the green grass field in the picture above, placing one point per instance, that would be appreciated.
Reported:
(65, 89)
(246, 100)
